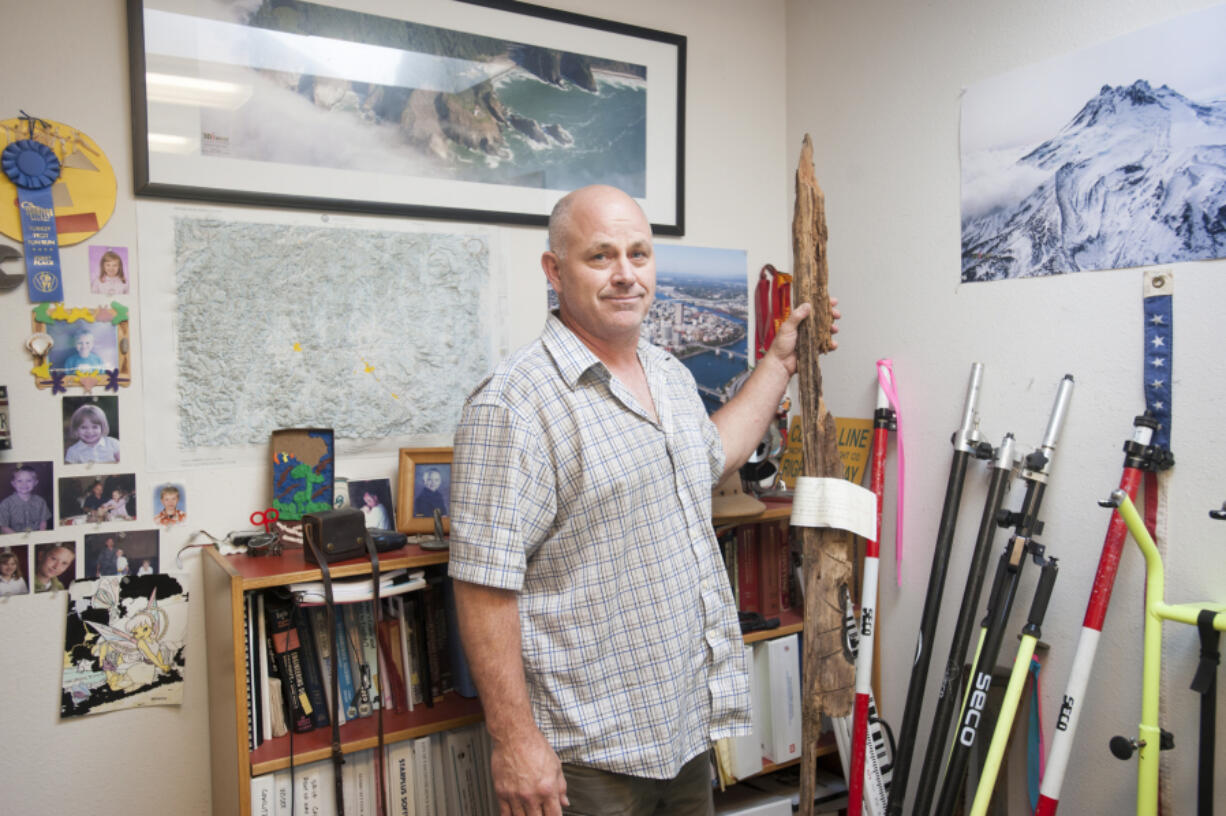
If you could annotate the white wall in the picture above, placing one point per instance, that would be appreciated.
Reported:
(877, 84)
(71, 66)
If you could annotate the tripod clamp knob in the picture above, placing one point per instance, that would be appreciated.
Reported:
(1124, 748)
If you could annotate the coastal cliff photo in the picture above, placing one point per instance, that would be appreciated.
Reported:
(333, 88)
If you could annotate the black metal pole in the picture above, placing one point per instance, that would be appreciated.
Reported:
(951, 688)
(1035, 471)
(967, 445)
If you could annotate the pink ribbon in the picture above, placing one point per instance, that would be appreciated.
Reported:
(885, 378)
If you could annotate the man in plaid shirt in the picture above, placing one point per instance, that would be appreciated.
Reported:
(593, 603)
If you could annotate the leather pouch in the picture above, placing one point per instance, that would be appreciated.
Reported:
(334, 535)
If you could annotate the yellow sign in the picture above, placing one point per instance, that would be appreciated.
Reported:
(855, 442)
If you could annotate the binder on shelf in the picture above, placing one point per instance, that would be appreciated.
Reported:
(777, 678)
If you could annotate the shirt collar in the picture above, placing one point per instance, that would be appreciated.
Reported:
(573, 358)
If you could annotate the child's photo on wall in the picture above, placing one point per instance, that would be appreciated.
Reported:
(169, 504)
(109, 272)
(25, 496)
(55, 566)
(92, 499)
(91, 430)
(80, 347)
(14, 570)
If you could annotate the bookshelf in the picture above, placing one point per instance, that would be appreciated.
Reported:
(226, 581)
(790, 621)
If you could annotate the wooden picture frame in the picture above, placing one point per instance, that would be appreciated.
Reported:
(486, 110)
(416, 468)
(56, 327)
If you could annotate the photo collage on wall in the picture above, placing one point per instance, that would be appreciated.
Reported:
(82, 354)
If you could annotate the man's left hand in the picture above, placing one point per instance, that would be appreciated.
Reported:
(783, 348)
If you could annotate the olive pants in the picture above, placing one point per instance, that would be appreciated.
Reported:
(601, 793)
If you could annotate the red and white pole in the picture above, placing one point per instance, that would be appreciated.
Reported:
(1139, 458)
(883, 418)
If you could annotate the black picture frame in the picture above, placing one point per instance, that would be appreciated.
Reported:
(183, 148)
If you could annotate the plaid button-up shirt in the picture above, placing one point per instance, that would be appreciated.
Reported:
(565, 490)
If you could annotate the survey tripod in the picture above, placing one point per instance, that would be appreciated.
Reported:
(1150, 737)
(1036, 468)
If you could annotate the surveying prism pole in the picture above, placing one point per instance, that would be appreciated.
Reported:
(1013, 692)
(967, 445)
(950, 693)
(1139, 457)
(883, 420)
(1035, 471)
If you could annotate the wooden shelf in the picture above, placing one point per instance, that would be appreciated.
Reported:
(291, 567)
(453, 711)
(790, 620)
(775, 511)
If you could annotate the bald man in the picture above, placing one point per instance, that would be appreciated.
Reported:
(592, 599)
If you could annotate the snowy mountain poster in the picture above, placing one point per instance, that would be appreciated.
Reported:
(1109, 158)
(124, 645)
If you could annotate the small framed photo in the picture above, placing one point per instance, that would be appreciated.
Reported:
(55, 566)
(169, 504)
(15, 570)
(26, 496)
(80, 347)
(425, 485)
(374, 498)
(126, 552)
(91, 430)
(109, 272)
(94, 499)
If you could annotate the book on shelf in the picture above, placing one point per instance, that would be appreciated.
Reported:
(462, 679)
(409, 675)
(261, 640)
(281, 792)
(287, 651)
(314, 791)
(777, 689)
(464, 788)
(400, 771)
(365, 614)
(748, 570)
(253, 738)
(768, 569)
(263, 796)
(424, 798)
(360, 670)
(318, 617)
(351, 590)
(311, 676)
(344, 666)
(389, 650)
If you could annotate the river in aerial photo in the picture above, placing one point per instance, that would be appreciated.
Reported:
(716, 370)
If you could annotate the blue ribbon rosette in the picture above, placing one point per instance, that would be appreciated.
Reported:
(33, 168)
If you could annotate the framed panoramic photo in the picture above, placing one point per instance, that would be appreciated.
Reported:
(485, 110)
(425, 486)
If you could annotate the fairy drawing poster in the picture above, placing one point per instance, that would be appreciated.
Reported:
(125, 644)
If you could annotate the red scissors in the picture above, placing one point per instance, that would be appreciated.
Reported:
(266, 517)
